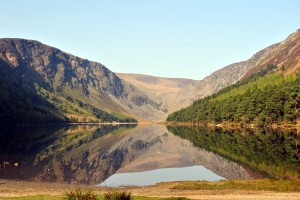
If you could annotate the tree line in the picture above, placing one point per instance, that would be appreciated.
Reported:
(263, 99)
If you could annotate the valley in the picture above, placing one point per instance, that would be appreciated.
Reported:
(57, 86)
(149, 100)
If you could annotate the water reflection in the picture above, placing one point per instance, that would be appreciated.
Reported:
(93, 154)
(272, 153)
(72, 154)
(193, 173)
(154, 147)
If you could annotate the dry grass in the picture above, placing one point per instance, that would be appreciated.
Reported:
(222, 190)
(117, 196)
(254, 185)
(80, 194)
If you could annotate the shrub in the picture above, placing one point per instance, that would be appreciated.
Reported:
(117, 196)
(79, 194)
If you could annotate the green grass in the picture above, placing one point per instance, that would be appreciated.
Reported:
(256, 185)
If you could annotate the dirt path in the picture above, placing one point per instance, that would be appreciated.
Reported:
(21, 188)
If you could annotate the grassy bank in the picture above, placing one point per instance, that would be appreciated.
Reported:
(271, 189)
(254, 185)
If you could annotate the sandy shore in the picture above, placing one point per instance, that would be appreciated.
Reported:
(23, 188)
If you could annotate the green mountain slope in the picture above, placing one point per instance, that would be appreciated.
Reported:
(40, 83)
(32, 100)
(264, 98)
(19, 101)
(267, 91)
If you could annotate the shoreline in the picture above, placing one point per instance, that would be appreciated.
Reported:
(11, 189)
(79, 123)
(166, 123)
(232, 125)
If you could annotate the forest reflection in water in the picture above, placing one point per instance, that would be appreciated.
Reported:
(90, 154)
(275, 153)
(57, 153)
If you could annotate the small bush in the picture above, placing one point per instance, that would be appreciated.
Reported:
(79, 194)
(117, 196)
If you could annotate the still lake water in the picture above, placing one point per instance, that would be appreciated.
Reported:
(120, 155)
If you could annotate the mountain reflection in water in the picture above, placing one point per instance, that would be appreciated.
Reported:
(90, 154)
(193, 173)
(275, 153)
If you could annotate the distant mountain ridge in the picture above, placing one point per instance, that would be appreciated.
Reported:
(285, 53)
(192, 90)
(164, 90)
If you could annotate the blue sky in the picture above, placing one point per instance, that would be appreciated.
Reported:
(169, 38)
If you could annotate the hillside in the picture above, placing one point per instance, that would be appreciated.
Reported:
(74, 88)
(286, 54)
(164, 90)
(221, 78)
(263, 99)
(279, 63)
(40, 83)
(175, 95)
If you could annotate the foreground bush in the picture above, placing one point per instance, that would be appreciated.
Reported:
(79, 194)
(117, 196)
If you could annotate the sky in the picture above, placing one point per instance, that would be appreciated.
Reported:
(166, 38)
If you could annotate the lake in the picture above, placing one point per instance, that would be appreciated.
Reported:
(139, 155)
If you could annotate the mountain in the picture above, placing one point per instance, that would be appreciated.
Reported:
(285, 54)
(267, 94)
(57, 84)
(40, 83)
(266, 99)
(222, 78)
(164, 90)
(180, 93)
